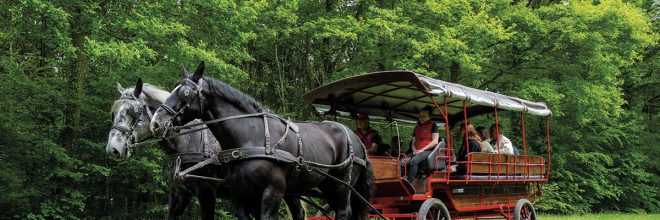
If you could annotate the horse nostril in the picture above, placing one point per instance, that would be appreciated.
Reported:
(115, 151)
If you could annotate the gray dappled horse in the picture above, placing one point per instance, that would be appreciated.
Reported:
(258, 184)
(131, 117)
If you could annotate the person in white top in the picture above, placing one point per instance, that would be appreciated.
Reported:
(505, 145)
(485, 140)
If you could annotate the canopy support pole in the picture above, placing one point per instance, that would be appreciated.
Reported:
(448, 142)
(547, 126)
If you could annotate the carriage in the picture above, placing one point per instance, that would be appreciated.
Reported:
(493, 185)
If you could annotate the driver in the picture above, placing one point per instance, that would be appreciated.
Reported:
(369, 137)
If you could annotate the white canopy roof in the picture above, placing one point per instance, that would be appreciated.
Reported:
(400, 95)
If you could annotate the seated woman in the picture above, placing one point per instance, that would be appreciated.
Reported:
(473, 145)
(485, 140)
(425, 138)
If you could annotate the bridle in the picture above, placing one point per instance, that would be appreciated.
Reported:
(138, 118)
(190, 98)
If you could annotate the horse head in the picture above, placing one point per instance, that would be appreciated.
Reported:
(129, 120)
(186, 103)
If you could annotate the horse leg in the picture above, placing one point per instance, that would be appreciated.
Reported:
(178, 201)
(338, 197)
(270, 200)
(364, 187)
(297, 211)
(241, 212)
(206, 197)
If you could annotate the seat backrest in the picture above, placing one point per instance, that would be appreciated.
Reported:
(441, 162)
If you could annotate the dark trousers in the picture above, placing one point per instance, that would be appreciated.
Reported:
(413, 162)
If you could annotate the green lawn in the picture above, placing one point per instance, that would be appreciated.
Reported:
(601, 217)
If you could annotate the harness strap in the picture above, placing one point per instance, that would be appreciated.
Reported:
(168, 109)
(196, 166)
(242, 153)
(190, 157)
(283, 138)
(300, 145)
(122, 129)
(149, 113)
(269, 149)
(177, 128)
(351, 156)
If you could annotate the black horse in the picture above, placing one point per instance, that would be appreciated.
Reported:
(257, 185)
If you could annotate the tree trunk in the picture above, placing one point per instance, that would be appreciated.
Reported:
(455, 71)
(75, 81)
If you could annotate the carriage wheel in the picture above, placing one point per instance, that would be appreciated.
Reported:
(524, 210)
(433, 209)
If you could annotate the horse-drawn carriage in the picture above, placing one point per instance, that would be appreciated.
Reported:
(494, 184)
(266, 158)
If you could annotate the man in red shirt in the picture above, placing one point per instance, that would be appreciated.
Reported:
(425, 138)
(368, 136)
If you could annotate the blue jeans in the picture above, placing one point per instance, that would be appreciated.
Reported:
(413, 164)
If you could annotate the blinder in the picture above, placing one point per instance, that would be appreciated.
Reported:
(190, 98)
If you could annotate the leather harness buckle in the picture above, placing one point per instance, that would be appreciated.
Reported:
(236, 154)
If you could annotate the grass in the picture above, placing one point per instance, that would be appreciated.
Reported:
(614, 216)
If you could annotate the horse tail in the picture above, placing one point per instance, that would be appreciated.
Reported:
(365, 187)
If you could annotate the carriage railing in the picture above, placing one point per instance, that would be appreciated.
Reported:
(539, 164)
(482, 167)
(510, 169)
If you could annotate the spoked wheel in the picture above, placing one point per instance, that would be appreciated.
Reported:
(433, 209)
(524, 210)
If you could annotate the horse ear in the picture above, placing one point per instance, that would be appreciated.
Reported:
(120, 88)
(199, 72)
(138, 88)
(185, 73)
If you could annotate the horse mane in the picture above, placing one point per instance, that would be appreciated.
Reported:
(155, 93)
(232, 95)
(150, 93)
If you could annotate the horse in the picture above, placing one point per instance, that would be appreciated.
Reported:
(131, 117)
(258, 181)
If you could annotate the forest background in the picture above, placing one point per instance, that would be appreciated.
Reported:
(593, 62)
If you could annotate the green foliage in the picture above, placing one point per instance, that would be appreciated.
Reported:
(593, 62)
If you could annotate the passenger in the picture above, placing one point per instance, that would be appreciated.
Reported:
(368, 136)
(425, 138)
(485, 140)
(473, 142)
(505, 145)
